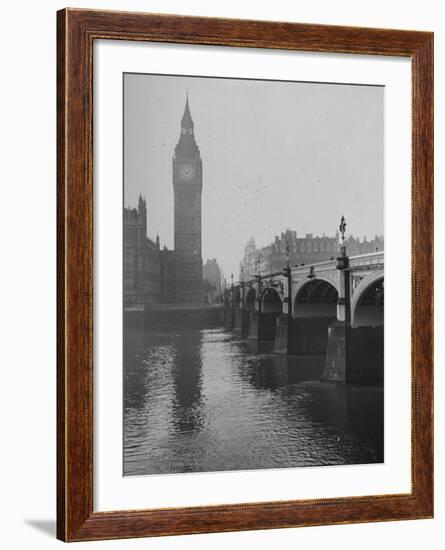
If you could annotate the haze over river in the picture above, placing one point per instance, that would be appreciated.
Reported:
(203, 400)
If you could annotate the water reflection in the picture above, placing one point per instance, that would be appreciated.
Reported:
(200, 400)
(187, 382)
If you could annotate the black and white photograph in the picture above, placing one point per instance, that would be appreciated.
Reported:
(204, 204)
(253, 274)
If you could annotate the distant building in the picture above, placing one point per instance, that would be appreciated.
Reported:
(168, 276)
(212, 275)
(307, 249)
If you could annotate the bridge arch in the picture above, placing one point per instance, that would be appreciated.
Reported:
(316, 298)
(250, 299)
(271, 309)
(367, 305)
(271, 301)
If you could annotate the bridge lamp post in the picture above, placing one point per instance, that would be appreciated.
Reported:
(258, 278)
(344, 294)
(287, 273)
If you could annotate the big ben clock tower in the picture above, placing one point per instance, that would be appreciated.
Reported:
(187, 185)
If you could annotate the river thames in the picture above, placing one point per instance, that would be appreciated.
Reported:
(204, 400)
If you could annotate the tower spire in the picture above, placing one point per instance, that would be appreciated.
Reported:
(186, 149)
(187, 121)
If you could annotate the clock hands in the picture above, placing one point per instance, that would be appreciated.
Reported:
(186, 171)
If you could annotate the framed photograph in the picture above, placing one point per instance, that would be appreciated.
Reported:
(245, 265)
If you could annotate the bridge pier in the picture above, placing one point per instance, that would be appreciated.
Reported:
(241, 321)
(302, 335)
(253, 329)
(283, 335)
(237, 320)
(262, 326)
(229, 317)
(337, 355)
(366, 354)
(354, 354)
(267, 326)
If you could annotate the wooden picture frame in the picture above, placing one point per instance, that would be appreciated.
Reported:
(76, 32)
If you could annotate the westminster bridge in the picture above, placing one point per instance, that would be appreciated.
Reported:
(333, 308)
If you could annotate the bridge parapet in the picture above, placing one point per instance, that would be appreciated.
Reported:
(371, 260)
(305, 270)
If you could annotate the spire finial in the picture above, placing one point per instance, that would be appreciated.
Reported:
(187, 122)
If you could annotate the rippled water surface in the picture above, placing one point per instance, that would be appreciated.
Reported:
(202, 400)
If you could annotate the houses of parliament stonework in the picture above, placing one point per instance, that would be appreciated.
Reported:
(152, 275)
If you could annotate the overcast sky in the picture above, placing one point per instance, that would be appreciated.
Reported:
(275, 155)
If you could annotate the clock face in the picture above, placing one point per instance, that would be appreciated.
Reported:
(186, 172)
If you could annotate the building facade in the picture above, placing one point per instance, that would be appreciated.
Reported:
(212, 280)
(142, 265)
(307, 249)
